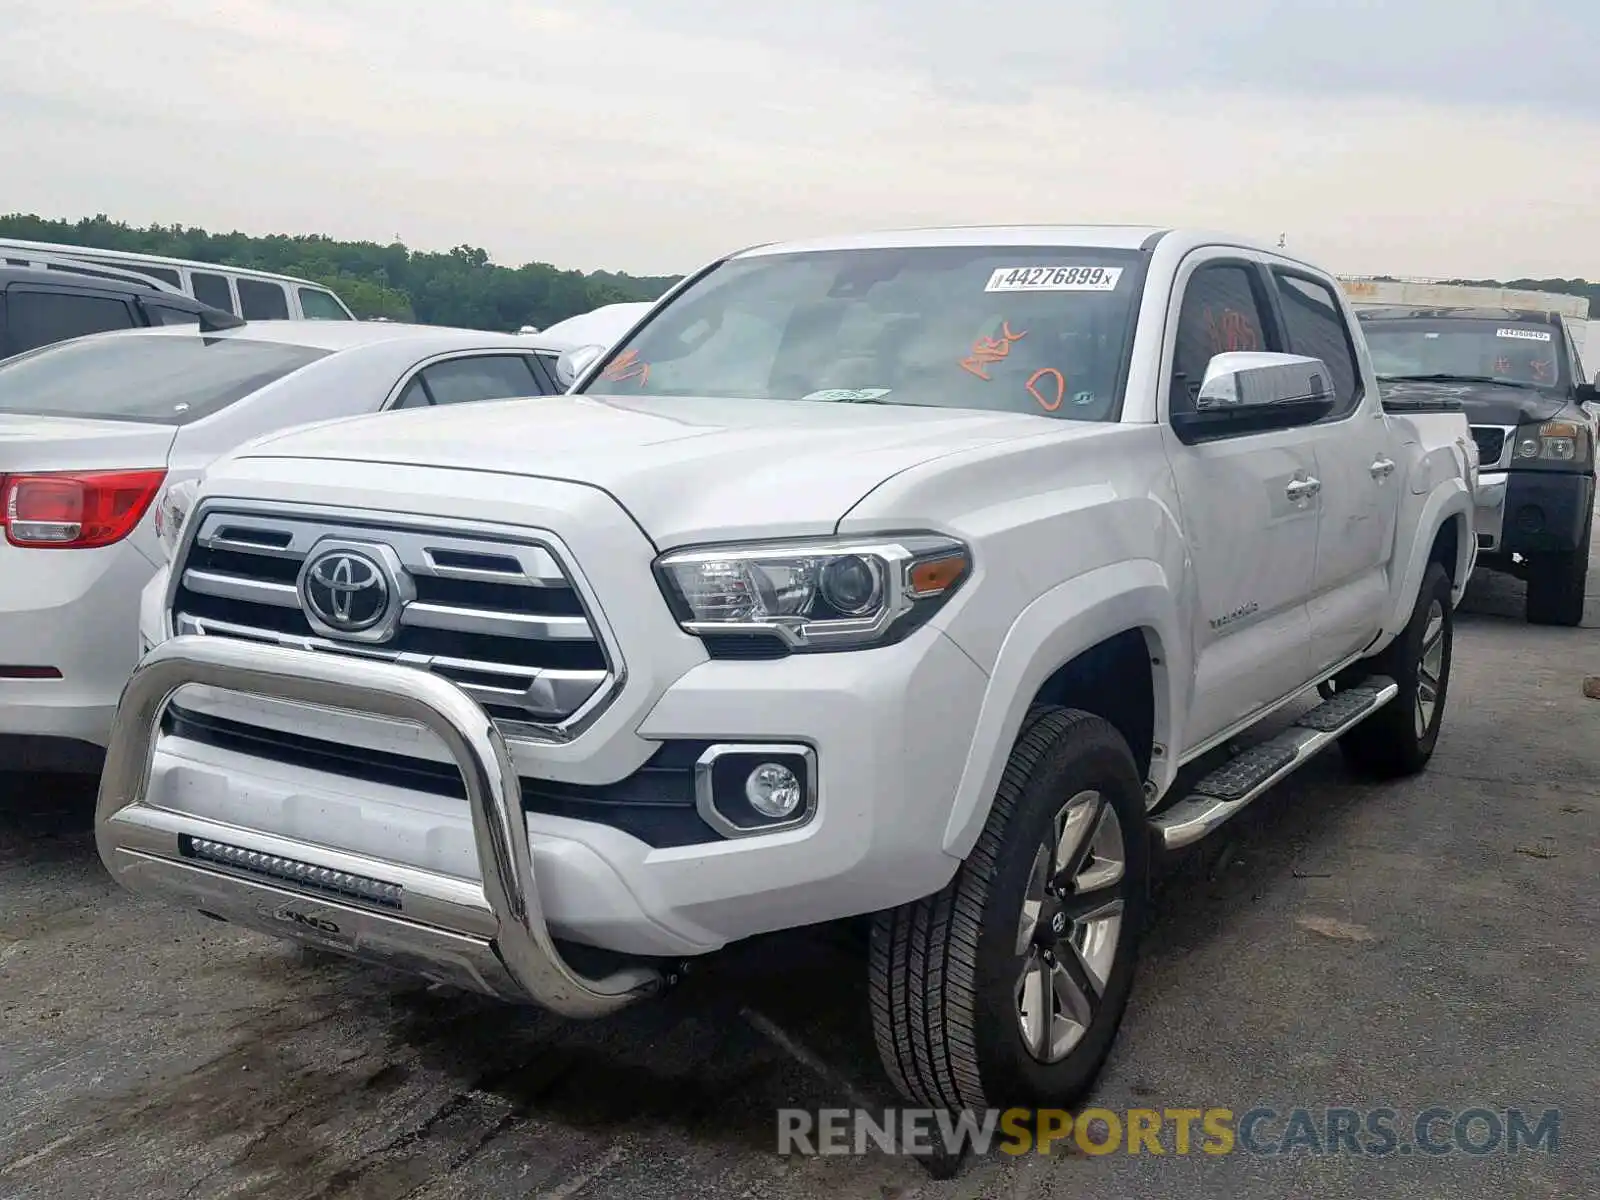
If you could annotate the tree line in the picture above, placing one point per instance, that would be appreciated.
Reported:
(454, 287)
(458, 287)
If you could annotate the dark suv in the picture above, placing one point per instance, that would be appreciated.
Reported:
(1518, 375)
(38, 307)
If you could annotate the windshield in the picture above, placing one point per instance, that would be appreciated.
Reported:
(1517, 352)
(1042, 330)
(168, 380)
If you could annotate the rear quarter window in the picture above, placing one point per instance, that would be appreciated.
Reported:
(167, 379)
(318, 305)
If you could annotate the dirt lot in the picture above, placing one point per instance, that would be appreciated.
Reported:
(1429, 943)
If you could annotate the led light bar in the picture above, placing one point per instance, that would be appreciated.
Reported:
(289, 870)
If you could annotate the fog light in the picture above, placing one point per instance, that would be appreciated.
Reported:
(750, 788)
(773, 790)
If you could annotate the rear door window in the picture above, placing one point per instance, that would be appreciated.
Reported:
(260, 300)
(212, 289)
(166, 378)
(1316, 328)
(39, 317)
(481, 377)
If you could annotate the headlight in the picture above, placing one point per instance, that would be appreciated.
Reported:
(172, 511)
(817, 595)
(1558, 442)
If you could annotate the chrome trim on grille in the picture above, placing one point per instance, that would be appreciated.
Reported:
(528, 700)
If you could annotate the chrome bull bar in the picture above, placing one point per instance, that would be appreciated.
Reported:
(521, 940)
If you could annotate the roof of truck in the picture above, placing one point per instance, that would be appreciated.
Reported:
(1401, 312)
(1129, 237)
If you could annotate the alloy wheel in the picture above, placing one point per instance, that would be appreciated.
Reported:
(1070, 926)
(1430, 669)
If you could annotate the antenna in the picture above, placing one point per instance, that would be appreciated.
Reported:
(1281, 238)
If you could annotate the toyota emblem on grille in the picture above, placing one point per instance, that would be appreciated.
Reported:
(346, 590)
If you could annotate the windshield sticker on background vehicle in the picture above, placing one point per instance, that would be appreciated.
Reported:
(627, 366)
(847, 394)
(1050, 395)
(1054, 279)
(1527, 335)
(1544, 369)
(987, 350)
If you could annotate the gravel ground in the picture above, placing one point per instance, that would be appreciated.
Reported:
(1426, 943)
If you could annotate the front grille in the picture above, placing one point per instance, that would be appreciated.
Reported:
(497, 616)
(1491, 444)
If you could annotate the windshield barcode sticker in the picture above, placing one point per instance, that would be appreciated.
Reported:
(1527, 335)
(1054, 279)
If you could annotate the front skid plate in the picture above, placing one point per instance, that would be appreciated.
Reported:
(451, 958)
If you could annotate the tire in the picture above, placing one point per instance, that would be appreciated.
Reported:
(1556, 583)
(1399, 738)
(947, 972)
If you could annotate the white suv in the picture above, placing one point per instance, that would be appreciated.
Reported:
(898, 575)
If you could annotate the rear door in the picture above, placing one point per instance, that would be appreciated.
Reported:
(1356, 464)
(39, 315)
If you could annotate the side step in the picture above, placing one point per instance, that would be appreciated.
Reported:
(1225, 792)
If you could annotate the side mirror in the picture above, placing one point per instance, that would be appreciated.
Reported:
(1254, 392)
(573, 363)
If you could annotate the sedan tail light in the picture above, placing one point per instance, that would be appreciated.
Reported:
(75, 510)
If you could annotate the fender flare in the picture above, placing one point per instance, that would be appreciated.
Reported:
(1054, 629)
(1445, 503)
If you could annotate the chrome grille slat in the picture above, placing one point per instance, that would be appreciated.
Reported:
(498, 617)
(477, 620)
(238, 587)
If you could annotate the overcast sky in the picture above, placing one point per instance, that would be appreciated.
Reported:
(1427, 137)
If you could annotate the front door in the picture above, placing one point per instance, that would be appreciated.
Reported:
(1251, 525)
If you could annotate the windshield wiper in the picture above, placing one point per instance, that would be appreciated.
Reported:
(1511, 383)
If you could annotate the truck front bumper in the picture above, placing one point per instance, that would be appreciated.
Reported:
(488, 892)
(1532, 512)
(488, 935)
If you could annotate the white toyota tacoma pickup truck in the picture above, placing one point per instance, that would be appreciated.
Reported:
(920, 577)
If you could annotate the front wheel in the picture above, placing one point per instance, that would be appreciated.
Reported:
(1556, 584)
(1399, 738)
(1007, 987)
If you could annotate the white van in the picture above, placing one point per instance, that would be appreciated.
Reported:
(253, 295)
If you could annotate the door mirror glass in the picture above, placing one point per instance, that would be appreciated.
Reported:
(575, 362)
(1253, 392)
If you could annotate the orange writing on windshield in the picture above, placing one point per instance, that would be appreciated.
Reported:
(987, 350)
(1543, 368)
(627, 366)
(1050, 395)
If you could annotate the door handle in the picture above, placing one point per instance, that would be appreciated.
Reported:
(1303, 489)
(1383, 468)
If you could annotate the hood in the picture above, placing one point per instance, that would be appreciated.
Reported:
(30, 442)
(1483, 403)
(685, 468)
